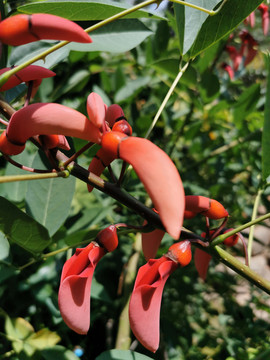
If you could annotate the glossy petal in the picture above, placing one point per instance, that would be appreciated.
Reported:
(157, 173)
(31, 72)
(99, 162)
(53, 141)
(202, 260)
(114, 113)
(45, 119)
(145, 302)
(205, 206)
(96, 109)
(151, 242)
(75, 287)
(22, 29)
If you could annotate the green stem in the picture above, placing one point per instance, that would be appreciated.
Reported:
(221, 238)
(4, 77)
(209, 12)
(12, 178)
(253, 217)
(241, 269)
(166, 99)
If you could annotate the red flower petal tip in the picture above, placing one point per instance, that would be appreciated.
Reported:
(155, 170)
(30, 73)
(145, 302)
(180, 252)
(202, 260)
(205, 206)
(108, 238)
(151, 242)
(23, 29)
(96, 109)
(231, 240)
(123, 127)
(114, 113)
(75, 287)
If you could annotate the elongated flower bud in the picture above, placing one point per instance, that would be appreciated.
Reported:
(30, 73)
(23, 29)
(158, 174)
(45, 119)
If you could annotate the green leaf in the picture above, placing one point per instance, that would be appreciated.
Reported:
(21, 229)
(58, 352)
(266, 127)
(119, 36)
(15, 191)
(80, 10)
(49, 200)
(43, 339)
(224, 22)
(246, 103)
(122, 355)
(131, 88)
(20, 54)
(189, 21)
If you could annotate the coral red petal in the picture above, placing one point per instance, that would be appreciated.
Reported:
(96, 109)
(22, 29)
(75, 287)
(160, 178)
(114, 113)
(99, 162)
(202, 260)
(45, 119)
(145, 302)
(31, 72)
(151, 242)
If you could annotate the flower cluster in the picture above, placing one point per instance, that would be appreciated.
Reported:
(49, 124)
(244, 55)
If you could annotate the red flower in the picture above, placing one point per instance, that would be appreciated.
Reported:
(265, 17)
(145, 302)
(23, 29)
(45, 119)
(75, 285)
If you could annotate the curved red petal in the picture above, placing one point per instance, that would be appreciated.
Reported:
(99, 162)
(75, 287)
(202, 260)
(114, 113)
(22, 29)
(151, 242)
(46, 119)
(160, 178)
(96, 109)
(31, 72)
(145, 302)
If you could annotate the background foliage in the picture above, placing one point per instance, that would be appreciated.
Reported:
(212, 129)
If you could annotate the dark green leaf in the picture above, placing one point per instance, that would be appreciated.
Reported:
(122, 355)
(190, 21)
(246, 103)
(49, 200)
(58, 352)
(224, 22)
(83, 9)
(21, 229)
(266, 127)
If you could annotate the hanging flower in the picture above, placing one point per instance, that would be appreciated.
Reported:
(145, 302)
